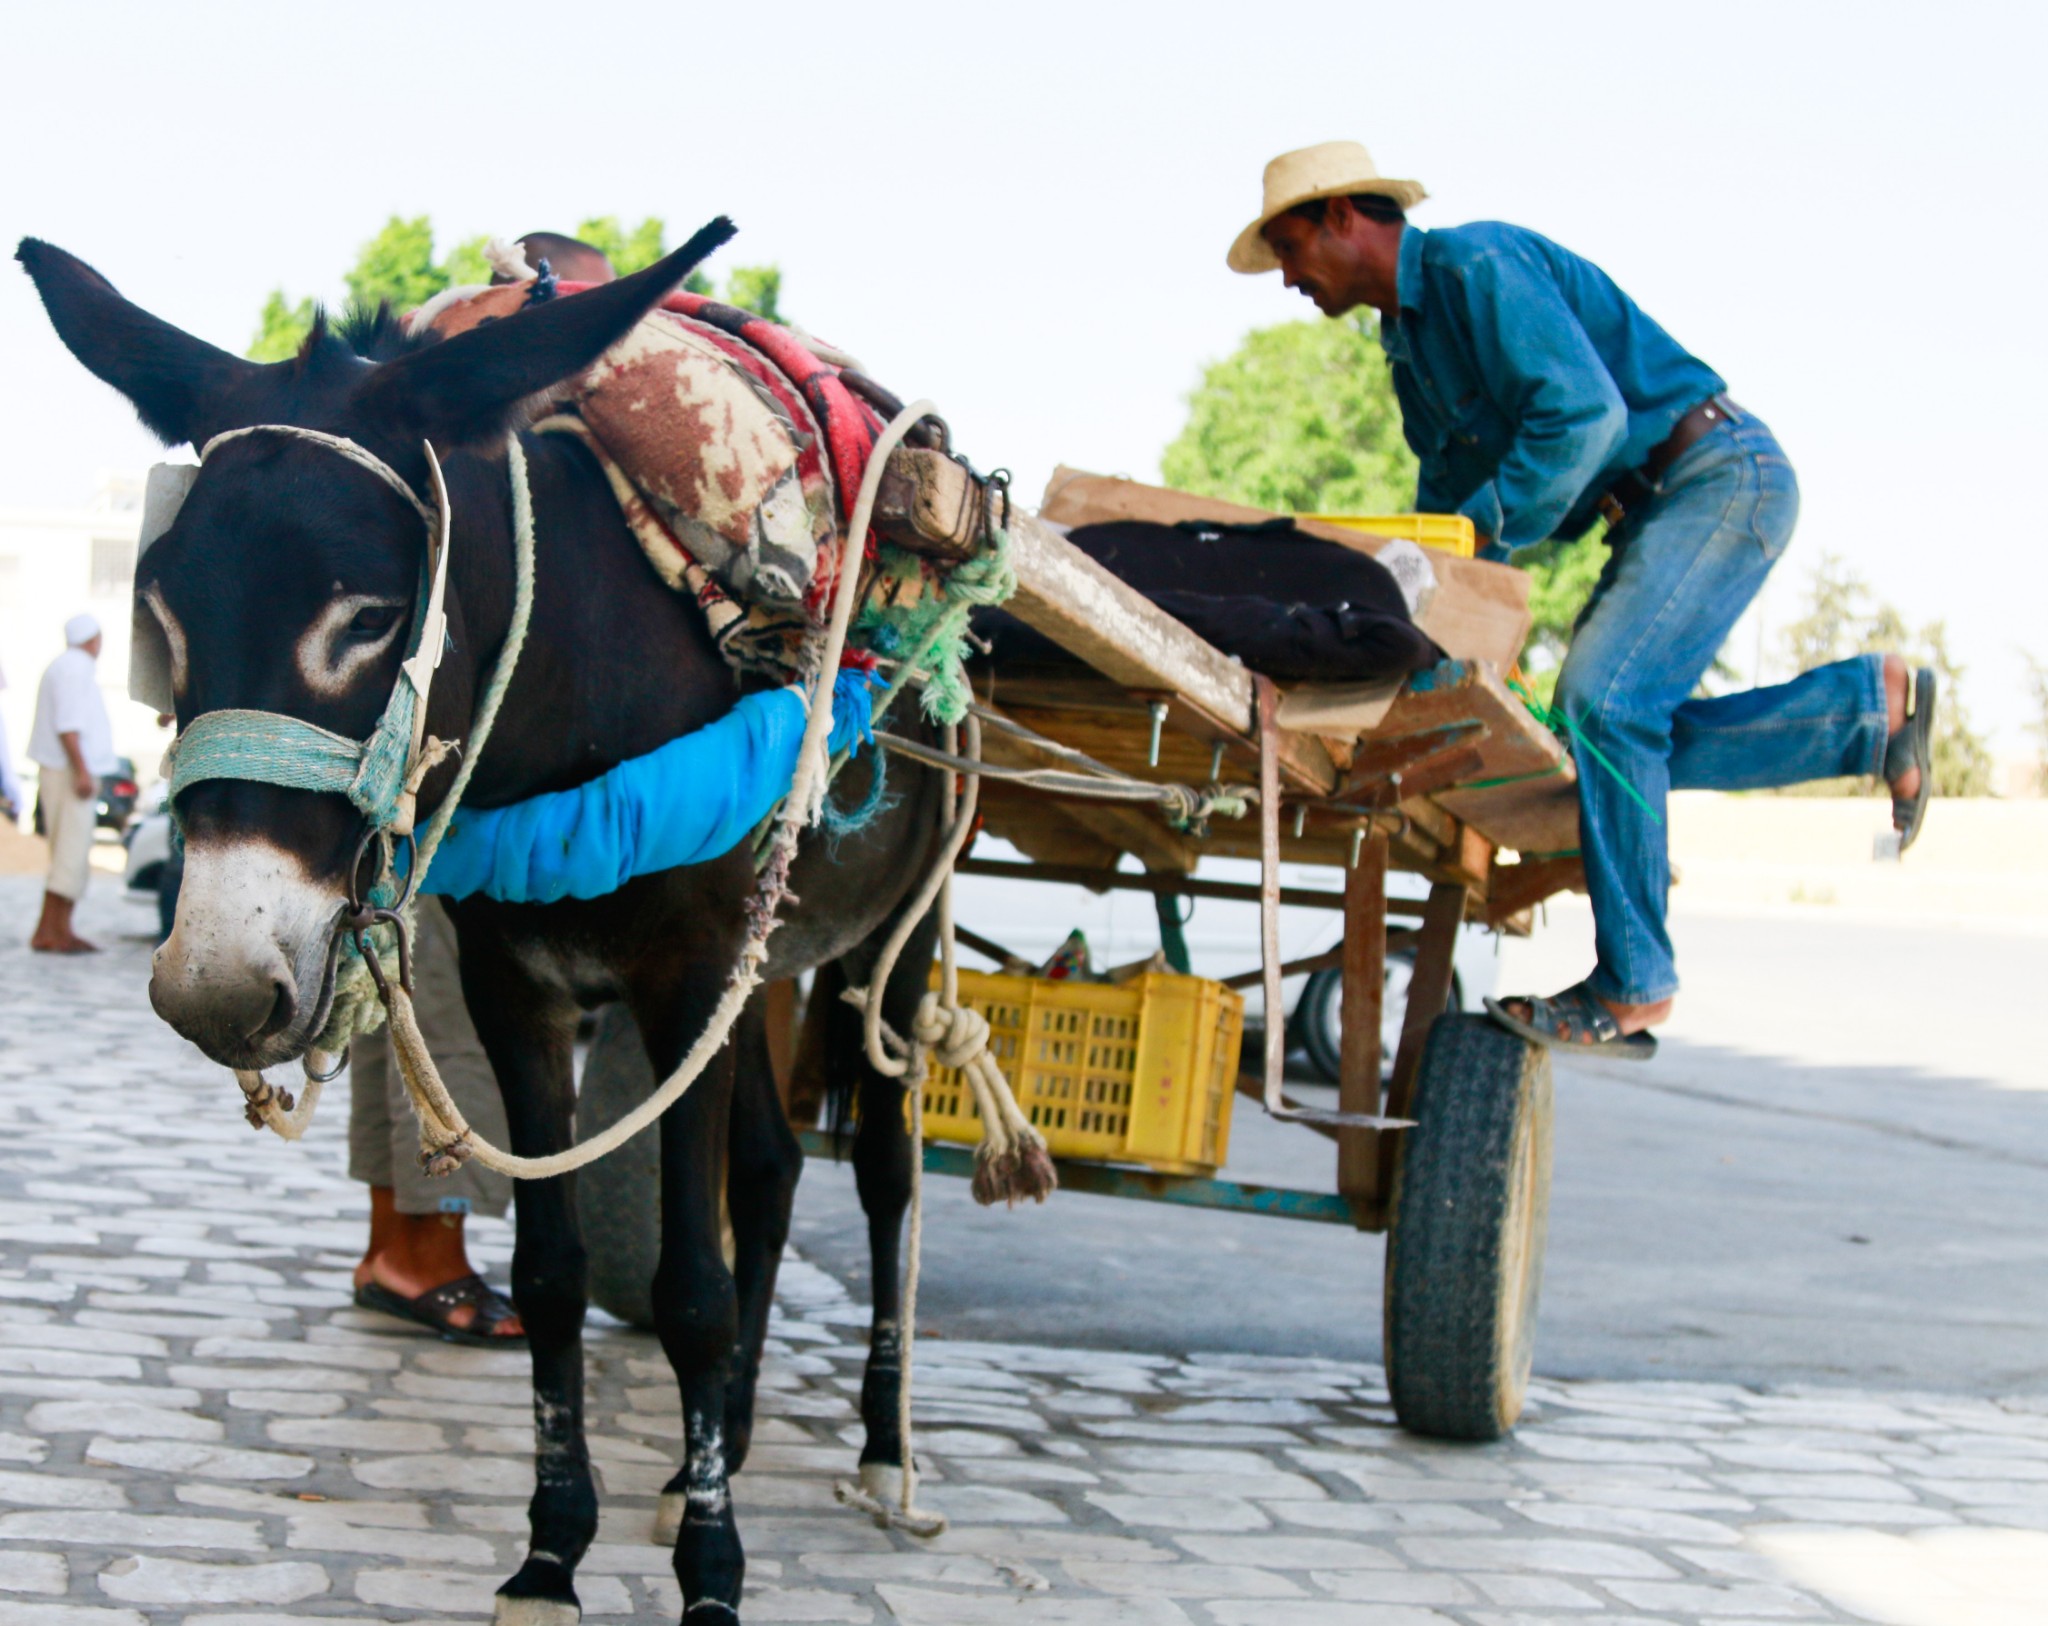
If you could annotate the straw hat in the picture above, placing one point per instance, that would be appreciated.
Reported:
(1333, 170)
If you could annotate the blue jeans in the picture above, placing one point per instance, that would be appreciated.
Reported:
(1684, 568)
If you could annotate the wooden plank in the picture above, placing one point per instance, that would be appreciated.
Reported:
(1084, 609)
(1480, 610)
(1131, 828)
(1365, 986)
(1539, 815)
(1511, 888)
(1429, 991)
(1463, 691)
(1041, 829)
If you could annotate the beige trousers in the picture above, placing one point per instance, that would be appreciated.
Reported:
(68, 820)
(383, 1137)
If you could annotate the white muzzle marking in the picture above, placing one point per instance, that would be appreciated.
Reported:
(250, 944)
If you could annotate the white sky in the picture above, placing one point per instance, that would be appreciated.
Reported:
(1021, 211)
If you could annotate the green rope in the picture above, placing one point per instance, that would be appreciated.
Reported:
(1550, 772)
(1559, 722)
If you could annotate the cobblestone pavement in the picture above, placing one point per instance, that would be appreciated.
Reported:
(195, 1425)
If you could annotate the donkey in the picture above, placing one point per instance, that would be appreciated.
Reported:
(287, 585)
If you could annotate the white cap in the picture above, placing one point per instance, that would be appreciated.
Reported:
(81, 629)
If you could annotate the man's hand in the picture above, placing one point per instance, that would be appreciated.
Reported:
(82, 780)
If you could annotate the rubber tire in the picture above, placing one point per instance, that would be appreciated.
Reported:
(618, 1198)
(1469, 1215)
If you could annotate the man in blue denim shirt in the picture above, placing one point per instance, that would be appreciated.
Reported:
(1539, 398)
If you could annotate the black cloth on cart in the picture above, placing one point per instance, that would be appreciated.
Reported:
(1296, 608)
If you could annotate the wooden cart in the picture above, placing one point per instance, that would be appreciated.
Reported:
(1454, 775)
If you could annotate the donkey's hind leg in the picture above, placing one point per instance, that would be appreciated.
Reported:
(760, 1190)
(881, 1170)
(528, 1029)
(695, 1305)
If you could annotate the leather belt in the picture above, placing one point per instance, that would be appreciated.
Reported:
(1632, 490)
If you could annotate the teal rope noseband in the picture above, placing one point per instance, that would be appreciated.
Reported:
(379, 774)
(273, 749)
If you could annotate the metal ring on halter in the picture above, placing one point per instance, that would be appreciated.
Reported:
(332, 1073)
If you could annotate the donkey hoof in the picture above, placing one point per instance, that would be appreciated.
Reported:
(534, 1612)
(668, 1517)
(709, 1612)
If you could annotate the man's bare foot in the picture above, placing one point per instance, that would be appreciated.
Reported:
(1898, 684)
(411, 1254)
(53, 933)
(1629, 1018)
(1638, 1018)
(70, 943)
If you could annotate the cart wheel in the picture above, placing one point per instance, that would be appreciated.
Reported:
(1471, 1207)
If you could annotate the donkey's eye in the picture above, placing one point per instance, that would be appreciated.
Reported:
(373, 621)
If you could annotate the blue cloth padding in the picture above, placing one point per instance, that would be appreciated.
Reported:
(692, 800)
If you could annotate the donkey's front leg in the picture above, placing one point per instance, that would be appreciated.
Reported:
(696, 1311)
(528, 1029)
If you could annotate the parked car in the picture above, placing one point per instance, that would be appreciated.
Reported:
(156, 865)
(1032, 919)
(116, 804)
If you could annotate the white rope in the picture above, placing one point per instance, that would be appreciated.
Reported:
(1182, 802)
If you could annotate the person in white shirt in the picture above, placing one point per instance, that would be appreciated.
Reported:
(72, 744)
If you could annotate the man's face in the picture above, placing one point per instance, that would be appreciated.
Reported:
(1317, 261)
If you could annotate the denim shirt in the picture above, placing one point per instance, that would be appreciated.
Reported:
(1528, 381)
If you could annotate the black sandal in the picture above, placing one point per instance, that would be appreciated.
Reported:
(1573, 1020)
(435, 1308)
(1913, 747)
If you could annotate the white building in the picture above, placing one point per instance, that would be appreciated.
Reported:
(55, 562)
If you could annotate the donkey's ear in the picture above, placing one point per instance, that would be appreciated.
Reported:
(468, 389)
(173, 379)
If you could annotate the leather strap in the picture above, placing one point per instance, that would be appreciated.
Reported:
(1632, 490)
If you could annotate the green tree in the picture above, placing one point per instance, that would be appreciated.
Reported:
(1837, 605)
(756, 288)
(1843, 619)
(397, 267)
(628, 250)
(1302, 418)
(466, 265)
(281, 328)
(2037, 694)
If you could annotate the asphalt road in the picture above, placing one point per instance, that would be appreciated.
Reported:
(1835, 1172)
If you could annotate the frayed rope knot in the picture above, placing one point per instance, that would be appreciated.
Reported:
(956, 1037)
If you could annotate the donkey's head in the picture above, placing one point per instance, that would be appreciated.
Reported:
(288, 584)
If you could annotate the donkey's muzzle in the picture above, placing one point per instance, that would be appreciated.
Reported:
(243, 973)
(234, 1012)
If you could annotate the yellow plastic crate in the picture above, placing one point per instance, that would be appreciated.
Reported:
(1142, 1072)
(1451, 532)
